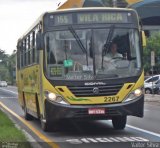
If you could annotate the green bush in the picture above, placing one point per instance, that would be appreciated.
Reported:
(153, 44)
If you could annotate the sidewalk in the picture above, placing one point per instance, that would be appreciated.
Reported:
(152, 98)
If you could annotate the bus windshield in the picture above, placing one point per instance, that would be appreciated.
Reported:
(81, 54)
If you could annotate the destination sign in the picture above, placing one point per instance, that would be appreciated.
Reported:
(106, 17)
(63, 19)
(89, 18)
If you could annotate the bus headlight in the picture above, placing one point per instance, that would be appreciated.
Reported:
(55, 97)
(138, 92)
(134, 94)
(51, 96)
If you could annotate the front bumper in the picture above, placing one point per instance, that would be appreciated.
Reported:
(55, 111)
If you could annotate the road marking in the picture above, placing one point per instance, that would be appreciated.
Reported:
(143, 130)
(39, 134)
(9, 91)
(106, 140)
(7, 97)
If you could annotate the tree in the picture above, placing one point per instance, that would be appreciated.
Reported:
(153, 44)
(7, 66)
(12, 66)
(3, 65)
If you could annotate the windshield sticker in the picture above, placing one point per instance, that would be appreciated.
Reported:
(88, 68)
(56, 71)
(68, 63)
(78, 99)
(76, 76)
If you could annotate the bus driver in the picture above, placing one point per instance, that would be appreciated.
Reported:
(113, 52)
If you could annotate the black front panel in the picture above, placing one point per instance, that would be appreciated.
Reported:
(94, 83)
(134, 108)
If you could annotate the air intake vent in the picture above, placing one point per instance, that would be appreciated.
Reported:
(87, 91)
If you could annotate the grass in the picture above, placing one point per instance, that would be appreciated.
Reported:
(10, 134)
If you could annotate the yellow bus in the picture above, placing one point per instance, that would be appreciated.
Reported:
(64, 71)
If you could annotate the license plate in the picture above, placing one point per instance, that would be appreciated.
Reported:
(96, 111)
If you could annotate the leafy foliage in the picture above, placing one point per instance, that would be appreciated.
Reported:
(7, 66)
(153, 44)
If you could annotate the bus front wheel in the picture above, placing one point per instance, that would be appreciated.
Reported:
(119, 122)
(45, 125)
(48, 126)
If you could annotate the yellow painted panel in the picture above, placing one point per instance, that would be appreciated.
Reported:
(31, 102)
(130, 2)
(119, 97)
(28, 83)
(140, 82)
(72, 4)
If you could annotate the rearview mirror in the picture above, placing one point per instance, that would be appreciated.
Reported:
(39, 41)
(19, 45)
(143, 39)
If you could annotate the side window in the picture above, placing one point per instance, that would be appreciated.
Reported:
(29, 50)
(158, 82)
(36, 59)
(31, 40)
(21, 55)
(28, 53)
(25, 53)
(148, 80)
(27, 44)
(19, 50)
(33, 47)
(154, 79)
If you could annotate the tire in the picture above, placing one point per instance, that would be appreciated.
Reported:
(26, 115)
(37, 107)
(119, 122)
(48, 126)
(45, 125)
(148, 91)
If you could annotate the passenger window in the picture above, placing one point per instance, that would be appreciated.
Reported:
(158, 82)
(33, 47)
(29, 50)
(25, 52)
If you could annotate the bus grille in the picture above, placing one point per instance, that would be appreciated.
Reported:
(86, 91)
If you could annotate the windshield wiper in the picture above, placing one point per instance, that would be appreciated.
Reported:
(71, 29)
(108, 43)
(106, 76)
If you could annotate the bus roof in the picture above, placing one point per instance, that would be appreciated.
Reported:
(40, 18)
(92, 8)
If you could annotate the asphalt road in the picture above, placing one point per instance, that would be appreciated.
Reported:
(140, 132)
